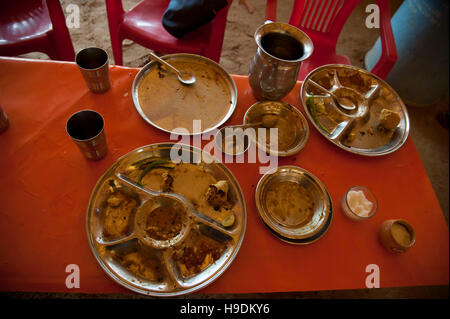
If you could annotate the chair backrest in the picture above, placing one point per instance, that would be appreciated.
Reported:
(325, 16)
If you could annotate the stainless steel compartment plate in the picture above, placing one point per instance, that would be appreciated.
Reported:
(117, 255)
(171, 106)
(355, 130)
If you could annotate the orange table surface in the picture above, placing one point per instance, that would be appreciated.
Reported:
(45, 184)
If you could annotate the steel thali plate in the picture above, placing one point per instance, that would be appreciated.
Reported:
(153, 271)
(357, 130)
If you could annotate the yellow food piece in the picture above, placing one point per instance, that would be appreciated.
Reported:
(114, 201)
(217, 193)
(351, 137)
(184, 271)
(320, 107)
(228, 221)
(389, 119)
(207, 261)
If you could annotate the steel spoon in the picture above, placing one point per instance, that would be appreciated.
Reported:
(183, 77)
(343, 102)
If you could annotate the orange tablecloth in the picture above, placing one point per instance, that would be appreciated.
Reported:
(45, 185)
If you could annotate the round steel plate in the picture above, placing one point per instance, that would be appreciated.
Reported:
(171, 282)
(316, 224)
(167, 110)
(292, 136)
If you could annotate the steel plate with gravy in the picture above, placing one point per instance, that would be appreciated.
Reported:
(366, 117)
(164, 102)
(292, 127)
(160, 247)
(293, 204)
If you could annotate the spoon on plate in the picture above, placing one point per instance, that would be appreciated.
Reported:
(241, 144)
(183, 77)
(341, 102)
(268, 120)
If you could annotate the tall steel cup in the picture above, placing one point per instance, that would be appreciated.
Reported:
(86, 128)
(93, 64)
(276, 63)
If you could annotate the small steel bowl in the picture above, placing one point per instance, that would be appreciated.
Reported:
(239, 144)
(292, 136)
(294, 230)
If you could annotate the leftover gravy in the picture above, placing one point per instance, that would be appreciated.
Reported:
(285, 123)
(289, 203)
(170, 104)
(401, 234)
(164, 223)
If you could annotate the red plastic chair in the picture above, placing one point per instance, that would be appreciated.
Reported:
(35, 26)
(323, 21)
(142, 24)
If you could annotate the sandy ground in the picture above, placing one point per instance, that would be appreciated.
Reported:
(239, 45)
(431, 139)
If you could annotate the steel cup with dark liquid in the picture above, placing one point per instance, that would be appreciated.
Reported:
(276, 63)
(94, 66)
(86, 128)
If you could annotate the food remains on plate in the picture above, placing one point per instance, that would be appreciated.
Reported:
(208, 195)
(142, 262)
(373, 132)
(389, 120)
(119, 207)
(197, 253)
(324, 114)
(289, 203)
(164, 222)
(171, 105)
(370, 130)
